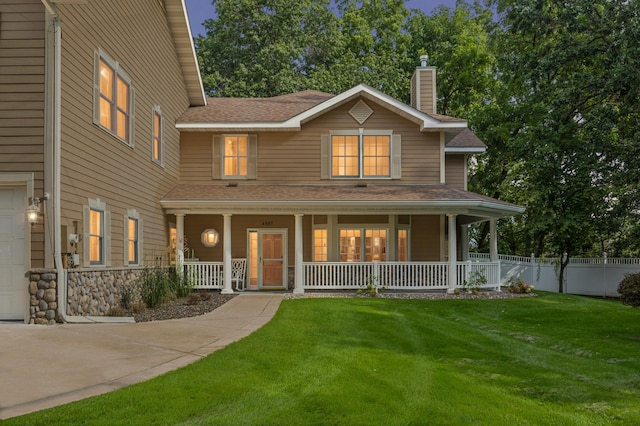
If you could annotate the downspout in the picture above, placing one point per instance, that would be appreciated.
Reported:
(56, 141)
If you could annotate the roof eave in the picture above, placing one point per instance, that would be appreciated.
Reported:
(465, 150)
(185, 49)
(237, 127)
(486, 209)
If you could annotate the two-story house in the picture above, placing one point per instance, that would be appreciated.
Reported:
(319, 191)
(89, 95)
(112, 159)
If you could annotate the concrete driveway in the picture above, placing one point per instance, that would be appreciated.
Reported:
(45, 366)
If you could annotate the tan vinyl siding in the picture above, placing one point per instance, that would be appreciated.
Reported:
(423, 90)
(295, 157)
(454, 167)
(22, 43)
(95, 164)
(425, 238)
(194, 225)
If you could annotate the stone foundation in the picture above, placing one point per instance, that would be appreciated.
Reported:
(96, 292)
(43, 297)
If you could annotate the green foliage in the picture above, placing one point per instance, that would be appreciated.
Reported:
(372, 288)
(159, 285)
(629, 289)
(475, 280)
(373, 361)
(518, 286)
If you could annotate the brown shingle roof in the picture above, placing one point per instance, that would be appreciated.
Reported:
(254, 110)
(466, 139)
(287, 193)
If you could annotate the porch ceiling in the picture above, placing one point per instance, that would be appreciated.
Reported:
(335, 199)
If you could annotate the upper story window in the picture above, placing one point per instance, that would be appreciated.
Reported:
(157, 140)
(361, 154)
(234, 157)
(113, 98)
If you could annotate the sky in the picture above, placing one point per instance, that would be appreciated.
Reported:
(200, 10)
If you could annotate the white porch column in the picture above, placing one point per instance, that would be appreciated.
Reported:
(226, 241)
(453, 250)
(180, 243)
(299, 274)
(493, 241)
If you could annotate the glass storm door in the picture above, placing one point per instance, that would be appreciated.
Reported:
(273, 268)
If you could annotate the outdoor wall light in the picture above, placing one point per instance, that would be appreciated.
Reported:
(210, 238)
(33, 211)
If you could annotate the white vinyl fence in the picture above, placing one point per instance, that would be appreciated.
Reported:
(584, 276)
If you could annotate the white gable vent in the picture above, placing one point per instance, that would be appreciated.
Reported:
(360, 112)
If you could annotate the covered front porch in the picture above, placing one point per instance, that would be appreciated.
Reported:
(332, 238)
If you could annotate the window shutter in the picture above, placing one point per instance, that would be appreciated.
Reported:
(96, 87)
(325, 161)
(86, 262)
(252, 157)
(107, 238)
(131, 116)
(396, 154)
(216, 162)
(140, 233)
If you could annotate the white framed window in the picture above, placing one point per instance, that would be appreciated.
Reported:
(96, 234)
(361, 154)
(132, 238)
(402, 244)
(354, 248)
(320, 241)
(157, 136)
(113, 98)
(234, 157)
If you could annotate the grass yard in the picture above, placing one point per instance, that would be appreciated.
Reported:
(547, 360)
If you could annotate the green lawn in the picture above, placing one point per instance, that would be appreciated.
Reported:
(551, 359)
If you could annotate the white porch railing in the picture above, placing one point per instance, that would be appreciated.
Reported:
(354, 275)
(204, 275)
(394, 275)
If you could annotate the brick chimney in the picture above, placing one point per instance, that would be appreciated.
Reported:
(423, 87)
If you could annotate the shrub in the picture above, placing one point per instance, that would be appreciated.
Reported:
(159, 285)
(372, 288)
(629, 289)
(518, 286)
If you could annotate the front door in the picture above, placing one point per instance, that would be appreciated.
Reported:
(268, 259)
(272, 246)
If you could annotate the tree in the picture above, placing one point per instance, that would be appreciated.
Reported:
(557, 111)
(265, 47)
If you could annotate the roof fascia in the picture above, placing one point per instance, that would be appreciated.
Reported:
(465, 150)
(176, 11)
(484, 209)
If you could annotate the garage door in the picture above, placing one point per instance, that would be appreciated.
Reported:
(12, 262)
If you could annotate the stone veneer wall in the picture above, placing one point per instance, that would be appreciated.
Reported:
(94, 292)
(43, 296)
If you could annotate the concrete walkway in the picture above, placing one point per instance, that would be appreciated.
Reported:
(45, 366)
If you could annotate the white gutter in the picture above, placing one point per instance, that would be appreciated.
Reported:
(56, 142)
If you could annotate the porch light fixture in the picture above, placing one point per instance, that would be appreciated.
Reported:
(210, 238)
(33, 211)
